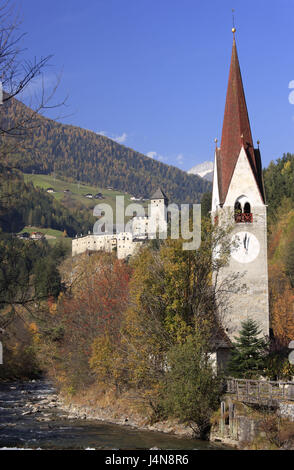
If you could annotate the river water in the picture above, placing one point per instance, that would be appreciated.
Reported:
(50, 428)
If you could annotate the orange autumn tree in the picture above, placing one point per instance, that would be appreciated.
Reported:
(93, 310)
(281, 306)
(283, 317)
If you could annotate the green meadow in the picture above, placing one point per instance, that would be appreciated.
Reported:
(77, 191)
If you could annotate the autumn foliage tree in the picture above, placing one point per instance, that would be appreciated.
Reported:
(283, 317)
(281, 307)
(94, 310)
(91, 309)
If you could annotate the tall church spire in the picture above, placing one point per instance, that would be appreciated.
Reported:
(236, 131)
(238, 201)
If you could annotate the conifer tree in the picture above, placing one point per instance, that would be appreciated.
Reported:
(248, 355)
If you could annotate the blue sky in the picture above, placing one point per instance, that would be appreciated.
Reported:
(153, 73)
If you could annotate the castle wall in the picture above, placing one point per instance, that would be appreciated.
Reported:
(126, 246)
(140, 226)
(126, 243)
(93, 243)
(123, 242)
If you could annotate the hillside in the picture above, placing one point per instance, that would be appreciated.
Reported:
(24, 204)
(72, 195)
(281, 240)
(52, 236)
(278, 180)
(279, 186)
(80, 155)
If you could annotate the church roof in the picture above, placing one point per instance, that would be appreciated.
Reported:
(159, 194)
(236, 132)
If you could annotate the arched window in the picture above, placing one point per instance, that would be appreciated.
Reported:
(242, 210)
(247, 208)
(238, 211)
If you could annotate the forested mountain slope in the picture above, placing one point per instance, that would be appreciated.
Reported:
(279, 188)
(22, 204)
(279, 185)
(83, 155)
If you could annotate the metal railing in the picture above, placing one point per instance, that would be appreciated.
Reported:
(243, 217)
(260, 391)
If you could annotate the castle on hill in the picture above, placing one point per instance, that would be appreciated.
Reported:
(126, 241)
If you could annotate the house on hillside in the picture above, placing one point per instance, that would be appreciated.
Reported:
(23, 235)
(37, 236)
(50, 190)
(89, 196)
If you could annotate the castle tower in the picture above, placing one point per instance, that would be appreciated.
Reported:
(238, 198)
(158, 213)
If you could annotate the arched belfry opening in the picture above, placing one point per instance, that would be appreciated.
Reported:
(238, 208)
(247, 208)
(242, 210)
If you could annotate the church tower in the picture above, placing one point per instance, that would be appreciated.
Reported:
(238, 199)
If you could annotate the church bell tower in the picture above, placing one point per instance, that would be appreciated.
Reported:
(238, 199)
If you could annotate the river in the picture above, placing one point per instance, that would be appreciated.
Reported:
(24, 425)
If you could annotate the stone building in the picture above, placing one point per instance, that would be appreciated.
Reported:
(127, 243)
(238, 198)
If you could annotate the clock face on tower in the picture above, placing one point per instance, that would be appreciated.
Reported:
(246, 247)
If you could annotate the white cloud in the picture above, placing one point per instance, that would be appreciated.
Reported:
(151, 154)
(180, 159)
(162, 158)
(120, 139)
(291, 84)
(157, 156)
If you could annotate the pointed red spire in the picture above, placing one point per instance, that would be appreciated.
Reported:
(236, 130)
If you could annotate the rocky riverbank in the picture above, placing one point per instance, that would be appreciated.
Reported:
(34, 416)
(115, 412)
(110, 415)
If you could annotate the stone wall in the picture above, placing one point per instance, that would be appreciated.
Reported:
(287, 410)
(93, 243)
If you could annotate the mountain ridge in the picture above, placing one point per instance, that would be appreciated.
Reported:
(204, 170)
(82, 155)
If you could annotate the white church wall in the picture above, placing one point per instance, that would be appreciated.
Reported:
(243, 183)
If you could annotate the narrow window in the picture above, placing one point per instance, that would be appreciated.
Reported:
(238, 212)
(247, 208)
